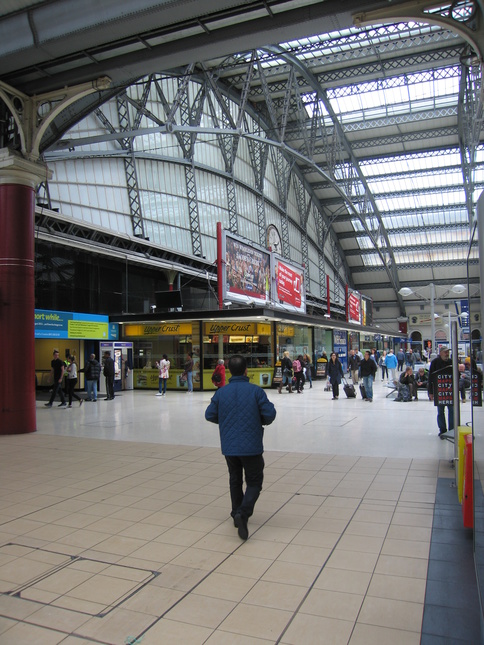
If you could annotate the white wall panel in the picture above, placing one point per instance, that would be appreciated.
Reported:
(270, 184)
(243, 172)
(209, 215)
(211, 189)
(208, 153)
(247, 207)
(165, 208)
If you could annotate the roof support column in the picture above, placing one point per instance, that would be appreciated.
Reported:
(18, 179)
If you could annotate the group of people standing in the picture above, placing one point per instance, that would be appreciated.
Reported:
(70, 370)
(295, 372)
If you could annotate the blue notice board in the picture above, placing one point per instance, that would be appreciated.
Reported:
(340, 346)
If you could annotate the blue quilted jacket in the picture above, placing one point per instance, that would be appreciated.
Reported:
(241, 409)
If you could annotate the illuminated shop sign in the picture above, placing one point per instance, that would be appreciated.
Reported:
(285, 330)
(159, 329)
(66, 324)
(229, 328)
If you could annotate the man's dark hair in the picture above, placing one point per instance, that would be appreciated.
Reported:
(237, 365)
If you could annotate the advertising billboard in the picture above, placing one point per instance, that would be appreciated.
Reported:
(366, 311)
(288, 291)
(247, 271)
(354, 307)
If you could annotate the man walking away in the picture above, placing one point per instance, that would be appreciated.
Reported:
(391, 362)
(242, 409)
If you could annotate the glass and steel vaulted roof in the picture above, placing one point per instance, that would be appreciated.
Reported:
(383, 117)
(382, 106)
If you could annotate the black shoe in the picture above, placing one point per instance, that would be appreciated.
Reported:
(441, 434)
(241, 523)
(48, 405)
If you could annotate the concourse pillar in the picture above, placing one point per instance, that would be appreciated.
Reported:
(18, 179)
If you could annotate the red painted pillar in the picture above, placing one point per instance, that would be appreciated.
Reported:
(18, 178)
(220, 260)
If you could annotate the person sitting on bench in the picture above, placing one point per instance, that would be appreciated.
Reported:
(407, 378)
(422, 379)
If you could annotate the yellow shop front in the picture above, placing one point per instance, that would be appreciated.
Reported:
(254, 340)
(152, 340)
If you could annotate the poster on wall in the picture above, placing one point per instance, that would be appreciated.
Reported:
(289, 291)
(247, 271)
(366, 311)
(354, 313)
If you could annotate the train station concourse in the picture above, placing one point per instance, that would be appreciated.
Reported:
(206, 178)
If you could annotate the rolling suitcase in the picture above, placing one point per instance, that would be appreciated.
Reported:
(363, 392)
(349, 389)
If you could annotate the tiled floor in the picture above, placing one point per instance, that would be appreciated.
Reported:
(115, 527)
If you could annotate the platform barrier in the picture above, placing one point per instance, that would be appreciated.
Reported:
(468, 496)
(462, 432)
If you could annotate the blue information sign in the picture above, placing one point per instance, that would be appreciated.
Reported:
(65, 324)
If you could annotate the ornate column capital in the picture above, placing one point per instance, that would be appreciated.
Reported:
(15, 169)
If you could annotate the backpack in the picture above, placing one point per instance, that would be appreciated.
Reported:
(296, 365)
(404, 394)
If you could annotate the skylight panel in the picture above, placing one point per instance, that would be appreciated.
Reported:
(373, 260)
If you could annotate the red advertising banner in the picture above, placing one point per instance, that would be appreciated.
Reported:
(288, 284)
(354, 308)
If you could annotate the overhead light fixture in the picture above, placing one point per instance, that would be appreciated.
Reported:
(458, 288)
(405, 291)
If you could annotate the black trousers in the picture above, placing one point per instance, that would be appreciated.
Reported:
(253, 467)
(57, 388)
(71, 384)
(109, 387)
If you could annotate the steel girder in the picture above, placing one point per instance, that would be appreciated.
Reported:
(411, 230)
(304, 207)
(460, 244)
(418, 265)
(190, 117)
(130, 167)
(259, 154)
